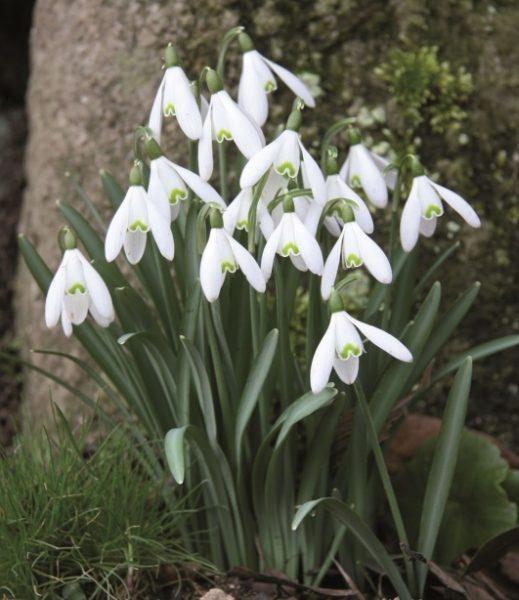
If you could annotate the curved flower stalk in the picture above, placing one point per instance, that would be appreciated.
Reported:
(257, 80)
(341, 347)
(133, 219)
(236, 215)
(286, 155)
(175, 97)
(169, 184)
(353, 249)
(424, 206)
(76, 289)
(225, 120)
(291, 238)
(363, 168)
(222, 255)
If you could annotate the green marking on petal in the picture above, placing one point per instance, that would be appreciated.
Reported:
(243, 225)
(355, 181)
(169, 110)
(138, 224)
(433, 210)
(228, 266)
(177, 194)
(350, 350)
(353, 260)
(289, 248)
(76, 288)
(287, 168)
(223, 134)
(270, 86)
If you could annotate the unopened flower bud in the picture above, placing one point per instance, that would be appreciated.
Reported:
(294, 120)
(216, 219)
(135, 177)
(66, 239)
(152, 149)
(214, 82)
(335, 303)
(353, 136)
(246, 43)
(171, 57)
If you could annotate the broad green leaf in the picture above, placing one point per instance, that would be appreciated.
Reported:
(435, 266)
(112, 189)
(37, 266)
(174, 449)
(378, 293)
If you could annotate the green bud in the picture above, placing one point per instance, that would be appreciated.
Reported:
(416, 167)
(332, 167)
(216, 219)
(171, 57)
(66, 239)
(246, 43)
(347, 213)
(295, 118)
(353, 136)
(214, 83)
(152, 148)
(335, 303)
(135, 177)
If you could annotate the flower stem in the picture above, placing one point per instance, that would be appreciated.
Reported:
(392, 247)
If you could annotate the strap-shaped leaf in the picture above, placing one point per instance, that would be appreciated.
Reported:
(113, 191)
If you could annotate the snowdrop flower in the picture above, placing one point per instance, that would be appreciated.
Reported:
(133, 219)
(225, 120)
(236, 215)
(222, 255)
(363, 168)
(341, 347)
(257, 80)
(169, 184)
(424, 206)
(291, 238)
(76, 289)
(352, 249)
(175, 97)
(286, 155)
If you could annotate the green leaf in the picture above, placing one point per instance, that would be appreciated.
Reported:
(435, 266)
(358, 528)
(493, 550)
(174, 449)
(37, 266)
(112, 189)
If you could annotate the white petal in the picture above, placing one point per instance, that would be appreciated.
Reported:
(157, 193)
(259, 164)
(293, 82)
(287, 158)
(161, 230)
(382, 163)
(461, 206)
(347, 370)
(117, 228)
(244, 131)
(211, 276)
(55, 294)
(65, 323)
(269, 252)
(347, 338)
(76, 306)
(97, 289)
(186, 108)
(410, 220)
(248, 265)
(373, 256)
(263, 72)
(98, 317)
(345, 169)
(134, 245)
(308, 247)
(205, 148)
(298, 262)
(232, 213)
(428, 226)
(202, 189)
(330, 269)
(265, 220)
(337, 188)
(312, 217)
(155, 120)
(383, 340)
(322, 361)
(251, 94)
(313, 175)
(373, 184)
(429, 197)
(274, 183)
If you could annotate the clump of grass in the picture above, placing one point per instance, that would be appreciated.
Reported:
(77, 526)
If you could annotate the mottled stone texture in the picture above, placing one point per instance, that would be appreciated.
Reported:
(96, 64)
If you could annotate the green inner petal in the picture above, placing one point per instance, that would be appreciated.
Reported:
(243, 224)
(289, 248)
(433, 210)
(177, 194)
(286, 168)
(223, 134)
(355, 181)
(76, 288)
(228, 266)
(350, 350)
(138, 224)
(169, 110)
(270, 86)
(353, 260)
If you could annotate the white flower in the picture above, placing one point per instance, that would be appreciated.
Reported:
(364, 168)
(129, 227)
(337, 188)
(424, 206)
(225, 120)
(223, 255)
(257, 80)
(291, 238)
(169, 184)
(341, 347)
(355, 248)
(175, 97)
(236, 215)
(76, 289)
(286, 155)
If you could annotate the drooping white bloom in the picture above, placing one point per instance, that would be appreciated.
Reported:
(337, 188)
(257, 80)
(129, 227)
(175, 97)
(364, 168)
(236, 215)
(291, 238)
(286, 155)
(223, 255)
(341, 347)
(76, 289)
(169, 185)
(225, 120)
(354, 248)
(424, 206)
